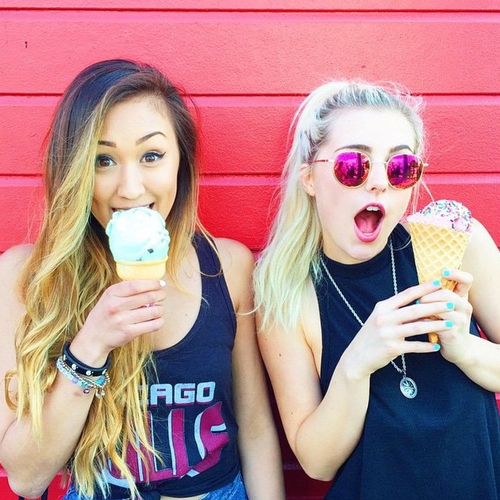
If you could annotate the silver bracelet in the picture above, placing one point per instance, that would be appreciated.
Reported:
(83, 381)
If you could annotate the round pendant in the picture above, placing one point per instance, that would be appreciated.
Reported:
(408, 387)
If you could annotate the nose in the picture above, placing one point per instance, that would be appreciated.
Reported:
(377, 178)
(130, 182)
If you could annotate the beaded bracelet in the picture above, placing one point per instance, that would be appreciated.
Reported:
(81, 368)
(83, 381)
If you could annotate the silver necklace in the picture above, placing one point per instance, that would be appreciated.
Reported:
(407, 386)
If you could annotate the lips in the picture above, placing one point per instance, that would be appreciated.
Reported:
(121, 209)
(368, 222)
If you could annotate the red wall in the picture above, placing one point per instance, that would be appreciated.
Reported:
(248, 63)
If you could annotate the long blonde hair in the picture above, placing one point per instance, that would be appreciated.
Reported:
(71, 265)
(295, 240)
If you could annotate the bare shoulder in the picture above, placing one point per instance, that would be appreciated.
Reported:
(482, 261)
(13, 260)
(481, 249)
(479, 234)
(11, 265)
(235, 256)
(18, 253)
(238, 264)
(11, 307)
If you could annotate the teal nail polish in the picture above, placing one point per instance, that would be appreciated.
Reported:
(436, 282)
(446, 273)
(448, 324)
(450, 306)
(437, 347)
(417, 301)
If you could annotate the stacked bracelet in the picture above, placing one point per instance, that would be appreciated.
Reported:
(77, 366)
(83, 381)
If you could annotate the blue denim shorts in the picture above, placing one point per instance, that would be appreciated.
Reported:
(233, 491)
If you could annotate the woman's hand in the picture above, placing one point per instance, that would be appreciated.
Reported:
(454, 341)
(384, 335)
(125, 311)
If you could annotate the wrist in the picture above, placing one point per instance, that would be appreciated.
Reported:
(464, 355)
(80, 367)
(88, 381)
(351, 367)
(87, 353)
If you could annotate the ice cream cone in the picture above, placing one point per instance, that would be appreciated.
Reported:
(437, 248)
(146, 270)
(139, 242)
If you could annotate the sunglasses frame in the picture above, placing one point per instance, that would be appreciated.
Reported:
(371, 163)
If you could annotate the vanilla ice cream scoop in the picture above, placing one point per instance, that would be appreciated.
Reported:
(139, 242)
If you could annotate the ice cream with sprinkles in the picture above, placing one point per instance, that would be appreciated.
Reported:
(440, 233)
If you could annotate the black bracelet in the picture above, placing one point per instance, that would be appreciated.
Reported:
(81, 368)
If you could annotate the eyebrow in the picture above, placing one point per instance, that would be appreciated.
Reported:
(367, 149)
(139, 141)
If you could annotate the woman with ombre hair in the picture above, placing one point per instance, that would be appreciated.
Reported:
(153, 402)
(365, 398)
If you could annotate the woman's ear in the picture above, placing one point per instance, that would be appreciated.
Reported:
(306, 178)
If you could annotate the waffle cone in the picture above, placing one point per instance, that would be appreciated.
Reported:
(151, 270)
(437, 248)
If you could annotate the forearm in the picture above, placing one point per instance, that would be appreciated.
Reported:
(328, 436)
(261, 464)
(482, 363)
(31, 464)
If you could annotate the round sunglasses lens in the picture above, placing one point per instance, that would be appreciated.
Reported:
(351, 168)
(404, 171)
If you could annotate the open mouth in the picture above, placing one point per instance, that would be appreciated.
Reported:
(150, 206)
(368, 220)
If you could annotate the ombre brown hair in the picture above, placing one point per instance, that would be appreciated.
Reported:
(71, 264)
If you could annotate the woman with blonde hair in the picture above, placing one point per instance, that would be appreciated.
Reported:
(135, 401)
(364, 397)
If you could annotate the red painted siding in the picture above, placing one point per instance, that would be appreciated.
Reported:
(248, 63)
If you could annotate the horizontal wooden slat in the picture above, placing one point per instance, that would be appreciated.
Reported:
(242, 207)
(244, 212)
(260, 5)
(230, 209)
(237, 135)
(249, 135)
(20, 207)
(23, 127)
(239, 53)
(459, 133)
(478, 192)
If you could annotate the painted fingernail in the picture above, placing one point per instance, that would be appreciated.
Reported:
(450, 306)
(446, 273)
(437, 347)
(417, 301)
(436, 282)
(448, 324)
(162, 283)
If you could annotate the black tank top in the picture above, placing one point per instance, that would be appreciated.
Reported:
(190, 411)
(442, 445)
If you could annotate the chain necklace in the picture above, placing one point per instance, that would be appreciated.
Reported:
(407, 386)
